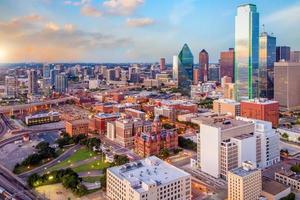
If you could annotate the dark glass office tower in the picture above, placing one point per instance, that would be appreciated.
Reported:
(283, 53)
(267, 57)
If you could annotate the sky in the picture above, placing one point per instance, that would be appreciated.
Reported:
(131, 30)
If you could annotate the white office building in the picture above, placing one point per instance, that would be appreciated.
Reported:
(148, 179)
(269, 142)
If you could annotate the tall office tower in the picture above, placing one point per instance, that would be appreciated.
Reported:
(46, 71)
(32, 82)
(267, 58)
(262, 109)
(295, 56)
(11, 87)
(61, 83)
(203, 65)
(111, 74)
(134, 74)
(229, 91)
(224, 144)
(196, 76)
(246, 51)
(175, 68)
(118, 71)
(283, 53)
(150, 178)
(162, 64)
(287, 85)
(214, 72)
(244, 183)
(227, 63)
(185, 69)
(269, 142)
(53, 73)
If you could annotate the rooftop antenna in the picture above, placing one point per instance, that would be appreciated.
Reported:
(263, 27)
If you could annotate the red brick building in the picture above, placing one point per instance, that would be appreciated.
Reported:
(77, 127)
(99, 121)
(150, 143)
(261, 109)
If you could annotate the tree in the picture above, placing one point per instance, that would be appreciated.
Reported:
(70, 181)
(295, 168)
(120, 160)
(285, 136)
(187, 143)
(93, 142)
(291, 196)
(164, 153)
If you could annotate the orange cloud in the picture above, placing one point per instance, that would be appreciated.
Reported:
(89, 10)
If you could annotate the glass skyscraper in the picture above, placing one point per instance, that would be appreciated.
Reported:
(185, 69)
(246, 51)
(267, 57)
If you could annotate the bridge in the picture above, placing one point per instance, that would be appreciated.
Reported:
(21, 108)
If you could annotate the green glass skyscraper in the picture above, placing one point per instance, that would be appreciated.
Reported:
(246, 52)
(185, 69)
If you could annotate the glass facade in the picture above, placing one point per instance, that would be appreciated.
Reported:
(185, 69)
(246, 51)
(267, 57)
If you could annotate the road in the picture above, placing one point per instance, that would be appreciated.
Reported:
(42, 168)
(16, 186)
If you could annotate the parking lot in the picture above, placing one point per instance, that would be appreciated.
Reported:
(14, 153)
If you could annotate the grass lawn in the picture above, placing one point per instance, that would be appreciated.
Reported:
(94, 165)
(91, 179)
(81, 154)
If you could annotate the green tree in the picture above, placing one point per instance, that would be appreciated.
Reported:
(164, 153)
(120, 160)
(285, 136)
(291, 196)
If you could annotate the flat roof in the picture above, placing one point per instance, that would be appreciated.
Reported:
(243, 172)
(151, 170)
(272, 187)
(107, 115)
(260, 101)
(228, 101)
(79, 121)
(224, 124)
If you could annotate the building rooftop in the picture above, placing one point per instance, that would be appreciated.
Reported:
(244, 136)
(272, 187)
(134, 110)
(107, 115)
(262, 101)
(246, 169)
(79, 121)
(126, 105)
(43, 115)
(224, 123)
(149, 171)
(228, 101)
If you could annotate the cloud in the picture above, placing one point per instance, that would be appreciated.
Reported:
(69, 27)
(53, 42)
(52, 26)
(76, 3)
(122, 7)
(283, 23)
(91, 11)
(139, 22)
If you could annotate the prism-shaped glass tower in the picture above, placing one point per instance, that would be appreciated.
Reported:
(185, 69)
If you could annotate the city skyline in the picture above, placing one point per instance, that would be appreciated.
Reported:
(125, 31)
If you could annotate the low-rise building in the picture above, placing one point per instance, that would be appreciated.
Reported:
(77, 127)
(135, 113)
(272, 190)
(42, 118)
(227, 106)
(121, 107)
(150, 178)
(289, 178)
(289, 134)
(99, 121)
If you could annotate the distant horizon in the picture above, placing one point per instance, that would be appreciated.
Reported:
(131, 31)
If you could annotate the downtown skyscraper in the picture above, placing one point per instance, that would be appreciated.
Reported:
(183, 69)
(203, 65)
(246, 51)
(267, 57)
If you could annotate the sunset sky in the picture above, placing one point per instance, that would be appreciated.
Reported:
(131, 30)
